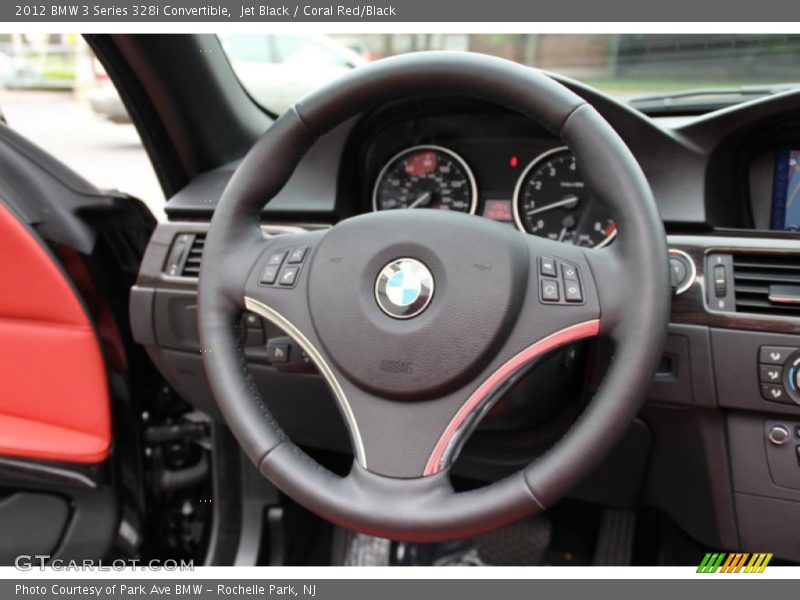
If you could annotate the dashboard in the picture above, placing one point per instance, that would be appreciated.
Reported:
(534, 184)
(726, 184)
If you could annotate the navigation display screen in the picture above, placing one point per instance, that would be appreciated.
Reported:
(785, 192)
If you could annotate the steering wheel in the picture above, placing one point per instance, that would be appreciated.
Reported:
(420, 319)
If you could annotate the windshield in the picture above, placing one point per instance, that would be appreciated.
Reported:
(278, 69)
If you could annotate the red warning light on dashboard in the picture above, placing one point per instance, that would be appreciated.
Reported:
(513, 162)
(499, 210)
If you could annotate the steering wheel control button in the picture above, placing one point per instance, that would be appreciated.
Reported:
(569, 272)
(252, 320)
(404, 288)
(269, 274)
(296, 255)
(278, 351)
(774, 355)
(572, 291)
(550, 290)
(254, 337)
(557, 277)
(288, 276)
(779, 435)
(287, 356)
(547, 266)
(276, 258)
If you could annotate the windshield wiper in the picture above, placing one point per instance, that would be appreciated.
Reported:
(702, 100)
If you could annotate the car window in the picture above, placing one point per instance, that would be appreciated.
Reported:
(252, 48)
(307, 51)
(46, 75)
(624, 65)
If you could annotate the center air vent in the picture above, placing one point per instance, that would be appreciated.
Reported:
(767, 284)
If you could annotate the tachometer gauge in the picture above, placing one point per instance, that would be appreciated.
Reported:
(551, 200)
(426, 177)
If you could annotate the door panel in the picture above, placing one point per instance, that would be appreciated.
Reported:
(31, 523)
(54, 402)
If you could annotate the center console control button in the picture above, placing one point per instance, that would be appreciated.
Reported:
(774, 355)
(779, 373)
(778, 435)
(770, 373)
(774, 393)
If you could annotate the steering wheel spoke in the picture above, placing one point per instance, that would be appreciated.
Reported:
(560, 307)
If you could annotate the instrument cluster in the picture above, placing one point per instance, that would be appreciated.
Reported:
(544, 195)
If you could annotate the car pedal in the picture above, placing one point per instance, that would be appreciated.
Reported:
(366, 551)
(615, 539)
(522, 544)
(276, 536)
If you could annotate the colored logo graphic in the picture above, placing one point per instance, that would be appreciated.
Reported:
(404, 288)
(738, 562)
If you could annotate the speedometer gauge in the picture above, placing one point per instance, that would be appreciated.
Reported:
(426, 177)
(551, 200)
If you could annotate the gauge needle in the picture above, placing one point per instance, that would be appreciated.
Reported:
(571, 199)
(422, 199)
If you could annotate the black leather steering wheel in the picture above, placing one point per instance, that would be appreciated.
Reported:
(419, 319)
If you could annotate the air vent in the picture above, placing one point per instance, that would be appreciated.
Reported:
(191, 266)
(185, 254)
(767, 284)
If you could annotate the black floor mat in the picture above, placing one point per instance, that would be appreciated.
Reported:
(522, 544)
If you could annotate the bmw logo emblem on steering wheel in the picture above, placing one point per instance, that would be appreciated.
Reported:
(404, 288)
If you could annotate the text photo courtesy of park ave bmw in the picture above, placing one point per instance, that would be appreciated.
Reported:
(158, 590)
